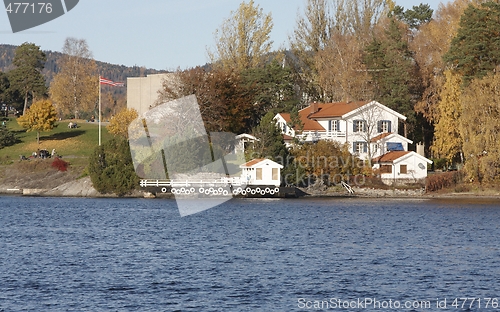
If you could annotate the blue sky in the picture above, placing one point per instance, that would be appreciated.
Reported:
(160, 34)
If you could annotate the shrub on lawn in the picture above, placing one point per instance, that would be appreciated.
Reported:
(111, 168)
(7, 138)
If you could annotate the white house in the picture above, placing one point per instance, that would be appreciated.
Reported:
(242, 142)
(261, 172)
(369, 129)
(387, 142)
(354, 123)
(401, 165)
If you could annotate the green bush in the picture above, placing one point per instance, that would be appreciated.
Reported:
(111, 168)
(440, 164)
(7, 138)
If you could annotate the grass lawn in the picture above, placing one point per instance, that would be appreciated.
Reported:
(74, 145)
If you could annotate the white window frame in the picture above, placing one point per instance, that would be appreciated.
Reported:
(360, 147)
(384, 126)
(359, 126)
(334, 125)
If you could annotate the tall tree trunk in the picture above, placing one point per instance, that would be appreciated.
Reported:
(25, 103)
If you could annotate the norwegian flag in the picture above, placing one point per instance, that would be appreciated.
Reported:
(110, 82)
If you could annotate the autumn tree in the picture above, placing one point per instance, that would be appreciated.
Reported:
(311, 34)
(243, 39)
(119, 123)
(41, 116)
(26, 77)
(343, 75)
(75, 88)
(447, 137)
(480, 129)
(429, 45)
(475, 50)
(225, 105)
(394, 75)
(325, 34)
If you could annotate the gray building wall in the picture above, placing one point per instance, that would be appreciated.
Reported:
(142, 92)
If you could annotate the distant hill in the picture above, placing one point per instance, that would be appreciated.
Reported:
(110, 71)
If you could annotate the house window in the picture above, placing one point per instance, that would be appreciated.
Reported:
(333, 126)
(258, 175)
(359, 126)
(284, 128)
(384, 126)
(360, 147)
(275, 174)
(403, 169)
(386, 169)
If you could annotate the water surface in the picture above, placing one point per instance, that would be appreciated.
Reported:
(60, 254)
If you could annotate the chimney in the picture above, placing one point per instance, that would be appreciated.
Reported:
(421, 149)
(314, 107)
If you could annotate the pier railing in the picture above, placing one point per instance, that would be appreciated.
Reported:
(189, 183)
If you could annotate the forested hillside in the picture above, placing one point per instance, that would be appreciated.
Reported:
(110, 71)
(115, 96)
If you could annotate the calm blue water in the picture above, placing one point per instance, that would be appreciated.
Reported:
(60, 254)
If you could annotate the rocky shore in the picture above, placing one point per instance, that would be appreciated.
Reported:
(68, 184)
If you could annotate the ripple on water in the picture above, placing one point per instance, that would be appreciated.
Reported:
(127, 255)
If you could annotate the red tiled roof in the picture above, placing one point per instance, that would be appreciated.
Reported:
(253, 162)
(391, 156)
(309, 124)
(286, 116)
(338, 109)
(287, 137)
(380, 136)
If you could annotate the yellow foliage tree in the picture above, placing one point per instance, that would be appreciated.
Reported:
(431, 42)
(119, 123)
(244, 38)
(447, 136)
(41, 116)
(480, 128)
(75, 87)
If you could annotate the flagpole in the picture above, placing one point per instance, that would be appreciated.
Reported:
(99, 110)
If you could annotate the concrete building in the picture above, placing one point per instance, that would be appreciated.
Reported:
(142, 92)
